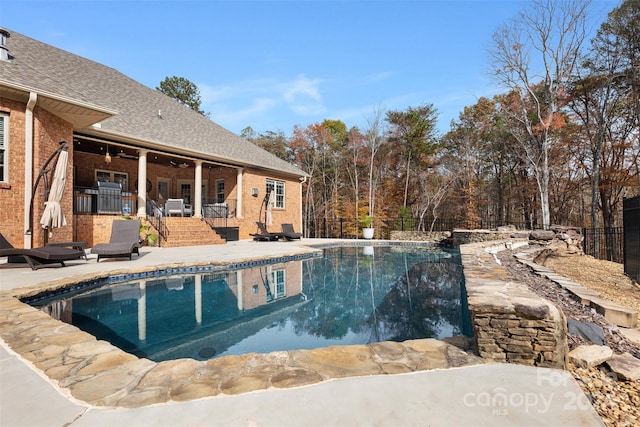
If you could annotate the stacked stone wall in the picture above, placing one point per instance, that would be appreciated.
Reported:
(511, 323)
(420, 236)
(463, 237)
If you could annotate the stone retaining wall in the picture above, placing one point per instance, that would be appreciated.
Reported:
(463, 237)
(420, 236)
(511, 323)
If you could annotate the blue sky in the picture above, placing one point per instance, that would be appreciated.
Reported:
(275, 64)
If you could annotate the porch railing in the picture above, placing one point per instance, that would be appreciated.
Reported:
(157, 219)
(105, 200)
(217, 214)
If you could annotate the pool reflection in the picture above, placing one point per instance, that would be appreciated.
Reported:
(349, 296)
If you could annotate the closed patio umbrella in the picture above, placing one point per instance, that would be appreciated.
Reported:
(270, 203)
(53, 217)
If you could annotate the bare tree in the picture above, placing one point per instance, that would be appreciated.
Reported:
(548, 35)
(374, 140)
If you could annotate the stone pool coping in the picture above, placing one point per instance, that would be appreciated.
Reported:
(100, 374)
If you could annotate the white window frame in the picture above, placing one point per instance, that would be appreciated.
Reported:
(279, 188)
(278, 278)
(4, 147)
(191, 184)
(220, 196)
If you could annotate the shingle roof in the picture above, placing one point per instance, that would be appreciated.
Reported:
(42, 68)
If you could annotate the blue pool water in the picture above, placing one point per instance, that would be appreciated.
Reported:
(351, 295)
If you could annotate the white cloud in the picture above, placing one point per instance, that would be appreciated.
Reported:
(255, 100)
(302, 96)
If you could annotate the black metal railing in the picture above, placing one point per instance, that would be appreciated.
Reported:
(156, 217)
(106, 199)
(604, 243)
(217, 215)
(350, 228)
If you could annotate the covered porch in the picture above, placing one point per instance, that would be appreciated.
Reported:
(112, 179)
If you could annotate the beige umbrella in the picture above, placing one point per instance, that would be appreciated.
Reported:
(53, 217)
(270, 203)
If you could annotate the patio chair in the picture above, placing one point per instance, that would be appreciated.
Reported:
(177, 207)
(265, 235)
(124, 241)
(37, 257)
(289, 233)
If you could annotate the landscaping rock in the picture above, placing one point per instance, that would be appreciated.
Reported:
(587, 356)
(625, 366)
(543, 235)
(587, 330)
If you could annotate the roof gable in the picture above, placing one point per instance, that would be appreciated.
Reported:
(141, 113)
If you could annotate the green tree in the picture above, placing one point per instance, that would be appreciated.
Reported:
(274, 142)
(183, 91)
(413, 132)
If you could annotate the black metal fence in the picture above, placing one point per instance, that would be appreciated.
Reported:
(604, 243)
(349, 228)
(631, 220)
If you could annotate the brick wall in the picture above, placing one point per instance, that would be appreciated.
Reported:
(251, 205)
(46, 140)
(12, 192)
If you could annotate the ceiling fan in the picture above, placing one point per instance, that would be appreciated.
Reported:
(125, 155)
(175, 164)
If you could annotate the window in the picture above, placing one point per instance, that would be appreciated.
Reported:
(111, 176)
(219, 190)
(163, 187)
(278, 187)
(185, 192)
(4, 147)
(278, 278)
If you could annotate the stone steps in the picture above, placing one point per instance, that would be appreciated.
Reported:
(615, 313)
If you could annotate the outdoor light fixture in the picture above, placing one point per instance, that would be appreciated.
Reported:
(107, 156)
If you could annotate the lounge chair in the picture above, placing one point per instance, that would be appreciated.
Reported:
(264, 234)
(177, 207)
(289, 233)
(37, 257)
(124, 241)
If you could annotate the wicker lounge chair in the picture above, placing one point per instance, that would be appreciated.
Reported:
(289, 233)
(124, 241)
(265, 235)
(37, 257)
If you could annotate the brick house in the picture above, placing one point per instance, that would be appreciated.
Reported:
(131, 148)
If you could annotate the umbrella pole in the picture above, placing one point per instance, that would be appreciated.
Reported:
(43, 172)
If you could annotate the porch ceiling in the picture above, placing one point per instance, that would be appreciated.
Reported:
(97, 147)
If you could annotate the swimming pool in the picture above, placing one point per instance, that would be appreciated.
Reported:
(351, 295)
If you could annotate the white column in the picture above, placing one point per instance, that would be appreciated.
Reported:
(240, 290)
(142, 183)
(197, 203)
(239, 193)
(28, 168)
(198, 296)
(142, 312)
